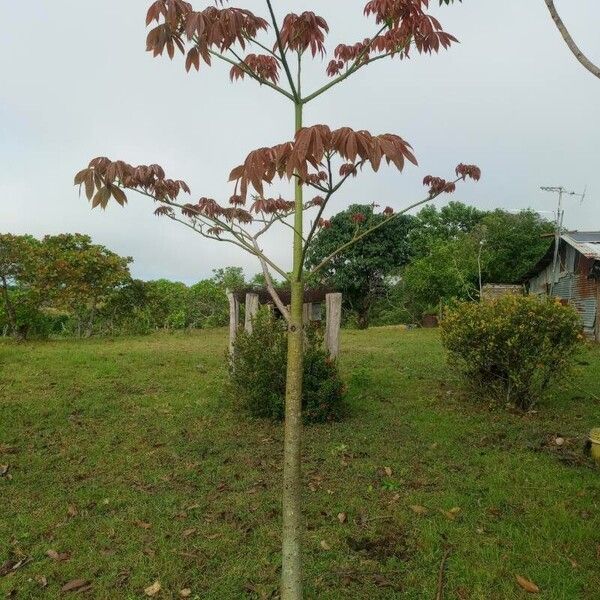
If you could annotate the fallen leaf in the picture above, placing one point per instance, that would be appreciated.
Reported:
(527, 585)
(388, 471)
(342, 517)
(58, 556)
(185, 593)
(381, 581)
(41, 580)
(4, 470)
(75, 585)
(72, 510)
(325, 545)
(143, 524)
(153, 589)
(189, 532)
(418, 509)
(452, 513)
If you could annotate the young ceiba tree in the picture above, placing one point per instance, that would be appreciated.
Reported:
(318, 160)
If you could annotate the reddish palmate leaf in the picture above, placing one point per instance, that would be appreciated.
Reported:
(406, 25)
(312, 145)
(303, 32)
(463, 171)
(263, 66)
(212, 29)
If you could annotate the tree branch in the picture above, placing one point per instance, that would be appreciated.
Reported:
(579, 55)
(286, 66)
(270, 287)
(252, 74)
(331, 191)
(359, 237)
(355, 66)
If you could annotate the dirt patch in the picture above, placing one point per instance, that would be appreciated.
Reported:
(392, 544)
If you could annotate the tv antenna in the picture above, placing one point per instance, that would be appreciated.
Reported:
(558, 225)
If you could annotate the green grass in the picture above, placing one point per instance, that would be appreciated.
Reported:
(127, 455)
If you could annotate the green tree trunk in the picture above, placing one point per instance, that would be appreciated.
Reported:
(291, 572)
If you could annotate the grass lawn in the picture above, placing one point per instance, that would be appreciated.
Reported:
(129, 464)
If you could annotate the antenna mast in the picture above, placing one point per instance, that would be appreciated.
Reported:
(558, 225)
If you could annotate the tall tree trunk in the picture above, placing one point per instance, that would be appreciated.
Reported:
(10, 310)
(291, 572)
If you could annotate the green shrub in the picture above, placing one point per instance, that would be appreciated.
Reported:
(514, 347)
(257, 373)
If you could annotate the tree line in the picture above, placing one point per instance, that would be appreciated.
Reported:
(406, 269)
(66, 285)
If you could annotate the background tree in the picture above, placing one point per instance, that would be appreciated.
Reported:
(77, 276)
(166, 303)
(207, 305)
(448, 271)
(317, 159)
(19, 257)
(514, 242)
(505, 244)
(361, 273)
(229, 278)
(433, 225)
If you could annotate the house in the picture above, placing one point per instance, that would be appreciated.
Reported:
(575, 280)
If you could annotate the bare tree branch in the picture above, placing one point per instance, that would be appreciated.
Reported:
(579, 55)
(270, 287)
(359, 236)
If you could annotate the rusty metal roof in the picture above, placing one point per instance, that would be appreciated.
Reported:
(585, 242)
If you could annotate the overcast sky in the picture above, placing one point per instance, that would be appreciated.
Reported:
(77, 83)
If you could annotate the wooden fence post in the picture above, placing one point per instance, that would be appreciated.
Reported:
(333, 320)
(234, 318)
(306, 310)
(251, 310)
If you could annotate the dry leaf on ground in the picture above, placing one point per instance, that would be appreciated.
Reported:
(76, 585)
(527, 585)
(58, 556)
(153, 589)
(418, 509)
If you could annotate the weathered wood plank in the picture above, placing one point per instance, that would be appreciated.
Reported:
(333, 312)
(234, 319)
(251, 310)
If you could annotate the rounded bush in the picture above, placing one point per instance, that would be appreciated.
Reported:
(514, 347)
(257, 373)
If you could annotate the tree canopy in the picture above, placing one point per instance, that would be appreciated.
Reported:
(361, 272)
